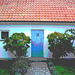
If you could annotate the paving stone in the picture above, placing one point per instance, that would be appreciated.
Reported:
(38, 68)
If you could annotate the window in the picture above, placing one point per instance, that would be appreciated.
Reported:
(4, 35)
(37, 34)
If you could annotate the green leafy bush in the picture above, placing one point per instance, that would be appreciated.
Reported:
(21, 65)
(71, 30)
(60, 44)
(54, 73)
(17, 42)
(51, 68)
(50, 64)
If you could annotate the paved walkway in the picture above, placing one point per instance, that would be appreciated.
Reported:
(38, 68)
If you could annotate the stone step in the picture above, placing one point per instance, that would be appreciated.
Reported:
(37, 59)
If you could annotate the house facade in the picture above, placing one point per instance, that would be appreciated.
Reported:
(38, 33)
(37, 19)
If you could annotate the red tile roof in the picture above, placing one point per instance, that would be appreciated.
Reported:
(37, 10)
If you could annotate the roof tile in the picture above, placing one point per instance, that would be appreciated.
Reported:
(37, 10)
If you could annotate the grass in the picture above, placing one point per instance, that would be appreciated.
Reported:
(62, 66)
(4, 72)
(6, 66)
(61, 70)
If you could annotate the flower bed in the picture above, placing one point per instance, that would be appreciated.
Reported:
(14, 66)
(62, 67)
(65, 70)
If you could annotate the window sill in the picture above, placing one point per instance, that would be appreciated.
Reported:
(1, 40)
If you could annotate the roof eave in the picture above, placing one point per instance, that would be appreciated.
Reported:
(37, 23)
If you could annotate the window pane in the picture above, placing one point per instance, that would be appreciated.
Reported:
(4, 35)
(37, 34)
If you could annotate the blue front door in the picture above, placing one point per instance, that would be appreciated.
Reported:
(37, 37)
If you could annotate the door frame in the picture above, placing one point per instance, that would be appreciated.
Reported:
(43, 40)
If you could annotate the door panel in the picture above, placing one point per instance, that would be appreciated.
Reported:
(37, 43)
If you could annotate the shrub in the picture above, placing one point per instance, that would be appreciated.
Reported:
(54, 73)
(50, 64)
(52, 68)
(21, 65)
(60, 44)
(71, 30)
(17, 42)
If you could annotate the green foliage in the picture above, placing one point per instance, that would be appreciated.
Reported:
(60, 44)
(50, 64)
(51, 68)
(21, 65)
(4, 72)
(17, 42)
(54, 73)
(71, 30)
(64, 70)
